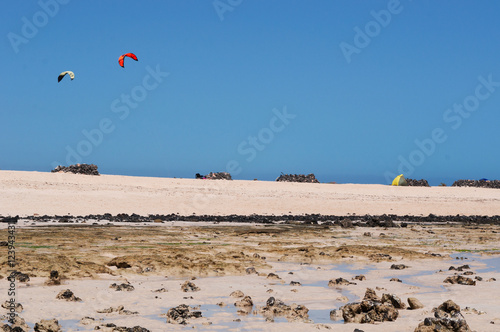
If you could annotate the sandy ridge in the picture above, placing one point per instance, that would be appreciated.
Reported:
(26, 193)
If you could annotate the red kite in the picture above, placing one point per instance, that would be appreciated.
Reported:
(121, 58)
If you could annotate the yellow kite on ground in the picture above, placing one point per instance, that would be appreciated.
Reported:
(399, 181)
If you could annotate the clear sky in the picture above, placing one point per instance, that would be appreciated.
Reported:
(352, 91)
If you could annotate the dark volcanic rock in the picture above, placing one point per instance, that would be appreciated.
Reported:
(244, 302)
(77, 169)
(188, 286)
(54, 279)
(19, 276)
(461, 280)
(417, 183)
(112, 327)
(477, 183)
(340, 282)
(275, 307)
(312, 219)
(47, 325)
(180, 314)
(215, 176)
(398, 266)
(447, 318)
(68, 296)
(394, 300)
(368, 312)
(122, 287)
(310, 178)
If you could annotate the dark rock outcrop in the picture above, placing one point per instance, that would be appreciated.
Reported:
(310, 178)
(47, 325)
(461, 280)
(68, 296)
(277, 308)
(77, 169)
(180, 314)
(447, 318)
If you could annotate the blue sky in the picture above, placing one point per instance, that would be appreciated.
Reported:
(352, 91)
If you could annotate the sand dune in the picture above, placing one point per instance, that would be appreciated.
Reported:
(27, 193)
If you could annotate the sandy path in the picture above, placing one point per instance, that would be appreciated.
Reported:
(27, 193)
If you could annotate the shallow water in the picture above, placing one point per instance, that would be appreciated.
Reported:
(309, 277)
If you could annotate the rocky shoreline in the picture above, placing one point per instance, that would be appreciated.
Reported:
(385, 220)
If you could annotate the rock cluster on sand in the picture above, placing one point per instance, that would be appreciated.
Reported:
(188, 286)
(447, 318)
(18, 307)
(310, 178)
(68, 296)
(477, 183)
(122, 287)
(215, 176)
(417, 183)
(180, 314)
(371, 309)
(461, 280)
(18, 325)
(120, 310)
(275, 307)
(384, 220)
(47, 325)
(54, 279)
(340, 282)
(110, 327)
(77, 169)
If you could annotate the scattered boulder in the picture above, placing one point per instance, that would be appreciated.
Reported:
(18, 307)
(396, 279)
(394, 300)
(273, 276)
(122, 287)
(340, 282)
(120, 310)
(245, 302)
(110, 327)
(188, 286)
(447, 318)
(54, 279)
(346, 223)
(47, 325)
(368, 312)
(215, 176)
(417, 183)
(310, 178)
(77, 169)
(18, 324)
(414, 303)
(68, 296)
(295, 283)
(180, 314)
(275, 307)
(461, 280)
(371, 295)
(87, 320)
(360, 277)
(460, 268)
(237, 293)
(398, 267)
(250, 270)
(19, 276)
(336, 315)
